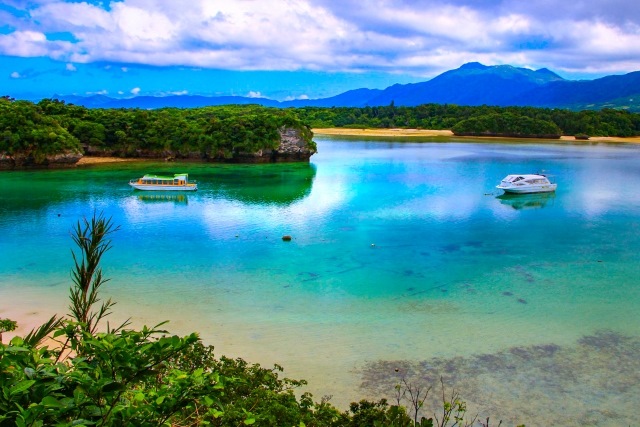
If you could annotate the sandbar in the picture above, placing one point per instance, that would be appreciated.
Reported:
(92, 160)
(447, 133)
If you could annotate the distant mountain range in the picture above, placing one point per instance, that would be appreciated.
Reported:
(471, 84)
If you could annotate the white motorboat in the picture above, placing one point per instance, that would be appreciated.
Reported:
(530, 183)
(177, 182)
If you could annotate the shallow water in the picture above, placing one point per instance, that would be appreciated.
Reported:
(404, 256)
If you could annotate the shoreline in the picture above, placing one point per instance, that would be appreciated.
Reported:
(92, 160)
(397, 132)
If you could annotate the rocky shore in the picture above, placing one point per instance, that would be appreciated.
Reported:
(27, 161)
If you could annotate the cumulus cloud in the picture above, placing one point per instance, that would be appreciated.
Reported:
(398, 36)
(135, 91)
(254, 94)
(292, 98)
(15, 75)
(70, 67)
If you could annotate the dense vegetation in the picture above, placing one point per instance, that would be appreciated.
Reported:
(28, 130)
(441, 116)
(73, 371)
(507, 124)
(36, 131)
(208, 133)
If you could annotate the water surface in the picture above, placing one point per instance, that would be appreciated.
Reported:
(405, 260)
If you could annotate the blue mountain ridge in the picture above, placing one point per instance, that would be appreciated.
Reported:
(471, 84)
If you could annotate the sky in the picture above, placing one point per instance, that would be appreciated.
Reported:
(297, 49)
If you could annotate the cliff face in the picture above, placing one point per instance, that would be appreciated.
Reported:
(293, 147)
(25, 161)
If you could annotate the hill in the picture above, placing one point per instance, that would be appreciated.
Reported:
(470, 85)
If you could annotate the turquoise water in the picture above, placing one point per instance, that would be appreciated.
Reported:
(403, 257)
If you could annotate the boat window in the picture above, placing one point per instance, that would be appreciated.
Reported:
(518, 179)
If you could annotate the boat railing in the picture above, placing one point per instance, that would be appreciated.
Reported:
(163, 182)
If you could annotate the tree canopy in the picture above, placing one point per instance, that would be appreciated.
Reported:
(606, 122)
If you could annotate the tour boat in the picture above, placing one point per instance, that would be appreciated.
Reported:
(177, 182)
(521, 184)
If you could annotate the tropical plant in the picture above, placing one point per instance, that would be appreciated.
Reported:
(74, 371)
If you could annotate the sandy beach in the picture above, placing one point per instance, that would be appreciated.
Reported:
(91, 160)
(447, 133)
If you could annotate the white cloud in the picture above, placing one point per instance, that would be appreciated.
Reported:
(124, 69)
(15, 75)
(135, 90)
(70, 67)
(253, 94)
(394, 36)
(100, 92)
(180, 92)
(292, 98)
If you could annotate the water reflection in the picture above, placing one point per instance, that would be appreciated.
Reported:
(277, 184)
(162, 197)
(527, 201)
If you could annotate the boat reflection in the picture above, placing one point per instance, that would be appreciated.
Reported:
(163, 197)
(527, 201)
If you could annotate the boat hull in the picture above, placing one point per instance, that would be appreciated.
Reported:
(527, 189)
(151, 187)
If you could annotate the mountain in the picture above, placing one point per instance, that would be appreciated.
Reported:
(614, 91)
(152, 102)
(471, 84)
(351, 98)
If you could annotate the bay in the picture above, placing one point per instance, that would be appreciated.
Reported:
(404, 260)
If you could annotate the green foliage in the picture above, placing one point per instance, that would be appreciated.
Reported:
(507, 124)
(28, 130)
(51, 126)
(147, 377)
(127, 377)
(606, 122)
(7, 325)
(90, 237)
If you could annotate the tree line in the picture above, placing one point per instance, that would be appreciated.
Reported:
(606, 122)
(220, 132)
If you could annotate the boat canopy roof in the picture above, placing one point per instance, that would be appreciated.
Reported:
(513, 178)
(167, 177)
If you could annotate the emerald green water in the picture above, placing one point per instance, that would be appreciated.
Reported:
(404, 257)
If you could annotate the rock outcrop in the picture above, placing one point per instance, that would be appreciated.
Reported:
(25, 161)
(293, 148)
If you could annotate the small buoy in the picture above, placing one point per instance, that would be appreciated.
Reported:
(286, 238)
(373, 244)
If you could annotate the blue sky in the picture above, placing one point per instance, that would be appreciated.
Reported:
(290, 49)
